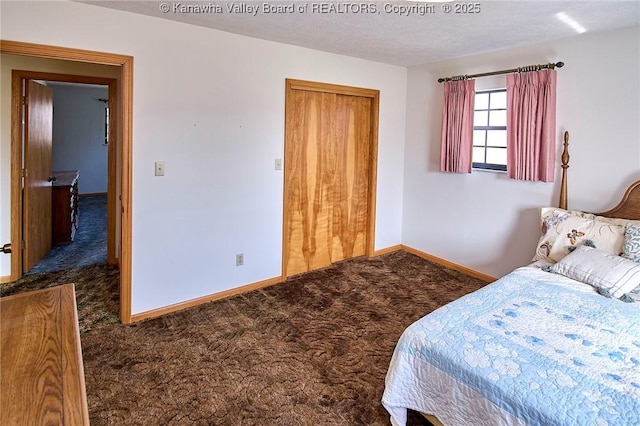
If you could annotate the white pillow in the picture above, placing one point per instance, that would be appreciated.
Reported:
(599, 269)
(563, 229)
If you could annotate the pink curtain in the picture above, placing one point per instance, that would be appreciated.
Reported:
(531, 125)
(457, 126)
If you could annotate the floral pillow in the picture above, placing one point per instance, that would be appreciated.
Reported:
(631, 248)
(563, 231)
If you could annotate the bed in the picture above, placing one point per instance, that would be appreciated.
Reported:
(556, 342)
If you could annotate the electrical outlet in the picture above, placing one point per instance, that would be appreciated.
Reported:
(239, 259)
(278, 163)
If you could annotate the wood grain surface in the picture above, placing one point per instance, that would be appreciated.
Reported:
(42, 376)
(327, 178)
(37, 157)
(629, 206)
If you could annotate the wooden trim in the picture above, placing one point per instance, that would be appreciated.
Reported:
(16, 176)
(285, 189)
(387, 250)
(64, 53)
(448, 264)
(112, 173)
(206, 299)
(292, 84)
(126, 194)
(373, 173)
(125, 132)
(312, 86)
(5, 279)
(68, 78)
(93, 194)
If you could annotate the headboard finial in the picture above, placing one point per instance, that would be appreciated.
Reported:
(565, 166)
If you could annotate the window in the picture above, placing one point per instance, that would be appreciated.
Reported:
(106, 124)
(490, 130)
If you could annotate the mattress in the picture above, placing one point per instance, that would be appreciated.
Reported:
(533, 348)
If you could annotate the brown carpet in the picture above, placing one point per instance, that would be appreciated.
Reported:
(97, 292)
(311, 351)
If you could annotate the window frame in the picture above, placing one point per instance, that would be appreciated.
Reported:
(484, 165)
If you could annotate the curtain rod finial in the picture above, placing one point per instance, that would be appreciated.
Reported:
(560, 64)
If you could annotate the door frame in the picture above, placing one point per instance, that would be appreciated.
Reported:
(121, 149)
(18, 76)
(374, 95)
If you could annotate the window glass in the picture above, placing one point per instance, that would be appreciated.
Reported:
(498, 118)
(478, 155)
(482, 101)
(499, 100)
(479, 137)
(490, 130)
(480, 118)
(496, 138)
(496, 156)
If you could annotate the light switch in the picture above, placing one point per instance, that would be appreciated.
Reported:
(278, 163)
(159, 168)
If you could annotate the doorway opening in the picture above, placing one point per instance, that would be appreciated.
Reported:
(81, 133)
(119, 148)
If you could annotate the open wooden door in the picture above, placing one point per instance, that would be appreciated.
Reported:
(38, 141)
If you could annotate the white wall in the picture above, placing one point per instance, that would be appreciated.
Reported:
(79, 134)
(487, 222)
(211, 105)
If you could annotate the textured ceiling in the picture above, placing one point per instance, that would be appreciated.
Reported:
(395, 32)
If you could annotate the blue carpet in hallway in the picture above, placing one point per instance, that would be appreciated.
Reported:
(90, 243)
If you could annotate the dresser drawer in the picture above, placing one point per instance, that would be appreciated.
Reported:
(64, 207)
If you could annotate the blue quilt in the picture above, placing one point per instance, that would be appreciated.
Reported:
(547, 354)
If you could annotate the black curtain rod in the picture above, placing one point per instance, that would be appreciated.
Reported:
(520, 69)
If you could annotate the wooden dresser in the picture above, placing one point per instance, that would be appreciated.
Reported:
(41, 371)
(64, 206)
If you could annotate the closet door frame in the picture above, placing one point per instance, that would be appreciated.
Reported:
(374, 95)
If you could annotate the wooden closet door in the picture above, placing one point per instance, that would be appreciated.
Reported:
(309, 164)
(327, 175)
(352, 123)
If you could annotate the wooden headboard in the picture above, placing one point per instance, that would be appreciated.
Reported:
(565, 165)
(627, 208)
